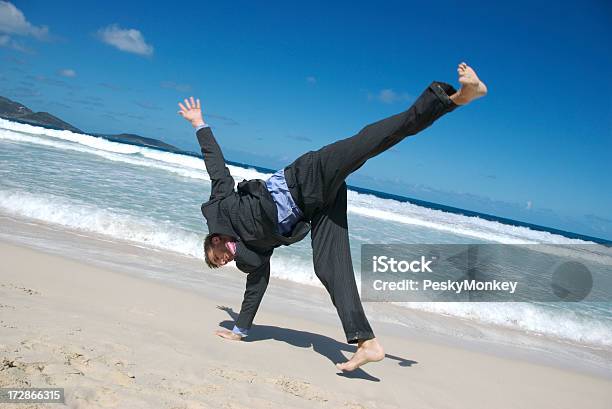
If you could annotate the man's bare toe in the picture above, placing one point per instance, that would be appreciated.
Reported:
(368, 351)
(352, 364)
(471, 86)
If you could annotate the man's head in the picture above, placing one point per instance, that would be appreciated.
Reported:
(217, 252)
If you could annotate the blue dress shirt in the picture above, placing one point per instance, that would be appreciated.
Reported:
(288, 212)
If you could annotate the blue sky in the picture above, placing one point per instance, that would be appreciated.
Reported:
(281, 79)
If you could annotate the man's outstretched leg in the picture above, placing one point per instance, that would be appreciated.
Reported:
(334, 267)
(315, 177)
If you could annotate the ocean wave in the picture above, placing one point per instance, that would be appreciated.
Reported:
(411, 214)
(74, 214)
(88, 218)
(561, 323)
(185, 165)
(359, 203)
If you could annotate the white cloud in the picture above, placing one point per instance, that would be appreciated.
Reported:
(67, 72)
(388, 96)
(13, 21)
(128, 40)
(311, 80)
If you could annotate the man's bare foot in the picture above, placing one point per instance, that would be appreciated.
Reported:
(471, 86)
(367, 351)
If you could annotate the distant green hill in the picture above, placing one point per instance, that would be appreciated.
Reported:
(14, 111)
(10, 108)
(140, 141)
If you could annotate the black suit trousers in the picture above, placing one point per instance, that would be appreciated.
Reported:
(317, 183)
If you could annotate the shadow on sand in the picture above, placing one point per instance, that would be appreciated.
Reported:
(326, 346)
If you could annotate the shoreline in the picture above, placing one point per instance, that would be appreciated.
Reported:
(116, 339)
(303, 300)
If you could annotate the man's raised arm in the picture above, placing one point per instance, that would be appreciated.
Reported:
(222, 182)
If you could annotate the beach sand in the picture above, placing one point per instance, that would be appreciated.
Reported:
(114, 340)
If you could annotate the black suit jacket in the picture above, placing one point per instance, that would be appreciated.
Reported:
(248, 214)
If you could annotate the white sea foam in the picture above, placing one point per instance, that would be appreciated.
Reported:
(560, 323)
(184, 165)
(89, 218)
(110, 155)
(82, 139)
(411, 214)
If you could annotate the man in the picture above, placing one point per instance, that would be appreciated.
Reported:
(247, 224)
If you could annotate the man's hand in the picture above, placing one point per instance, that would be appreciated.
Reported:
(227, 334)
(192, 112)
